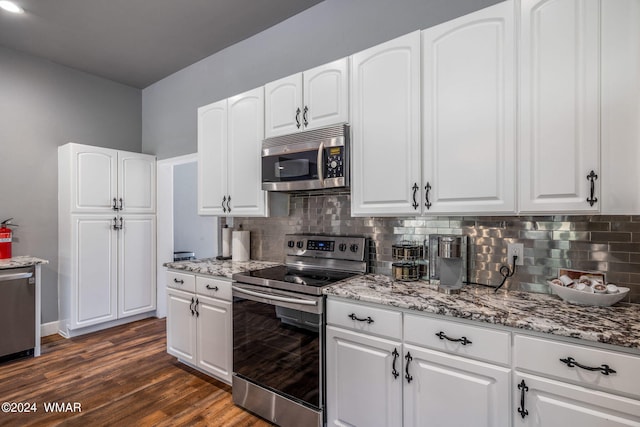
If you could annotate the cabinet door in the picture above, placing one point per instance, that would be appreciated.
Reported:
(212, 158)
(326, 95)
(94, 270)
(620, 106)
(136, 182)
(181, 325)
(283, 106)
(385, 118)
(453, 391)
(469, 113)
(552, 403)
(559, 105)
(245, 135)
(214, 351)
(137, 264)
(361, 387)
(94, 178)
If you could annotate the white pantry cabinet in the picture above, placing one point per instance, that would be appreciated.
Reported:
(106, 245)
(199, 323)
(559, 131)
(469, 113)
(385, 123)
(313, 99)
(230, 134)
(105, 180)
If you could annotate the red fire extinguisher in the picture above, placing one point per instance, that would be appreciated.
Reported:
(6, 235)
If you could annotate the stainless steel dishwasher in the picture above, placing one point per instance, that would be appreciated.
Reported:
(17, 312)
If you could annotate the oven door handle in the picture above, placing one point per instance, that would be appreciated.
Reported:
(274, 297)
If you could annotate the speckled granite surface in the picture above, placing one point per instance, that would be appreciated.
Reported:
(213, 267)
(617, 325)
(21, 261)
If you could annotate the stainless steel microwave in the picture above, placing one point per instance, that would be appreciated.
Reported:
(310, 160)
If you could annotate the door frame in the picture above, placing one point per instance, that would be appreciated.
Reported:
(164, 234)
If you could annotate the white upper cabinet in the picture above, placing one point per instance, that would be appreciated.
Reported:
(559, 130)
(620, 107)
(136, 182)
(310, 100)
(469, 141)
(245, 126)
(230, 134)
(385, 122)
(212, 158)
(103, 179)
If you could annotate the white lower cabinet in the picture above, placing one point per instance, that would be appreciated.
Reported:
(362, 389)
(375, 377)
(386, 367)
(199, 323)
(453, 391)
(556, 383)
(550, 403)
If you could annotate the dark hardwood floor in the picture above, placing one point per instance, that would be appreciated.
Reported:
(119, 377)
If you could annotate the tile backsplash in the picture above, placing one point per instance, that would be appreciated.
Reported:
(610, 244)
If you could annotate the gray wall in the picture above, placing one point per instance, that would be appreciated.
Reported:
(325, 32)
(44, 105)
(191, 232)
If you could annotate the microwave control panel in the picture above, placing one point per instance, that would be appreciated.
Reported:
(334, 164)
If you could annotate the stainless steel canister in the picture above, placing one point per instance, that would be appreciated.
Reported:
(450, 247)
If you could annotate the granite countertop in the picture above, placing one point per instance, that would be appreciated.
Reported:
(618, 325)
(21, 261)
(214, 267)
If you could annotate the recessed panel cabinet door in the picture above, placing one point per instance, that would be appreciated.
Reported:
(361, 387)
(283, 106)
(559, 130)
(137, 261)
(620, 67)
(549, 403)
(95, 266)
(136, 182)
(385, 119)
(181, 325)
(214, 352)
(326, 95)
(212, 158)
(245, 135)
(94, 178)
(469, 118)
(453, 391)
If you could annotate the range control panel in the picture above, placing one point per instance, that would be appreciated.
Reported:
(334, 247)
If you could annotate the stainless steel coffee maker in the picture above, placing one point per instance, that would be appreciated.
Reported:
(448, 262)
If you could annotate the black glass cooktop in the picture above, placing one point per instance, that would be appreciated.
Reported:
(305, 277)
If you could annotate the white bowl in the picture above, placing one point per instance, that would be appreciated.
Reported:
(575, 296)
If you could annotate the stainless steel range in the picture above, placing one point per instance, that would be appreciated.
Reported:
(279, 328)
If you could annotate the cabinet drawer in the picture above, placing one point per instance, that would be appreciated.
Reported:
(215, 288)
(185, 282)
(378, 321)
(543, 356)
(457, 338)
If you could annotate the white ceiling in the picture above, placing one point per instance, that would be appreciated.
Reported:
(137, 42)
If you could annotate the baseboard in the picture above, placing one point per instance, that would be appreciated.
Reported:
(50, 328)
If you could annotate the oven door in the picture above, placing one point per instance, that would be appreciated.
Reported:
(277, 342)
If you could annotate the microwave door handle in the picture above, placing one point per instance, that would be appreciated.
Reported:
(321, 163)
